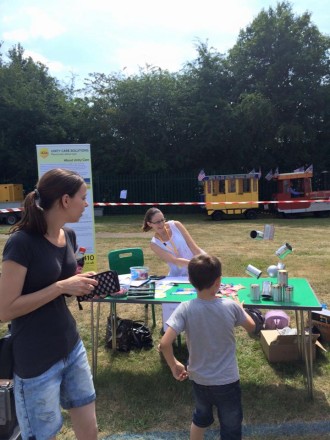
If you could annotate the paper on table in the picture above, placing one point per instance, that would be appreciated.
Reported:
(138, 283)
(161, 291)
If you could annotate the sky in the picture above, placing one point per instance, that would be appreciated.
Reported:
(79, 37)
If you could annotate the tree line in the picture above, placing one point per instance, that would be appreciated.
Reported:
(266, 103)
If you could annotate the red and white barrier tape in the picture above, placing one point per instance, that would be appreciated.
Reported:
(267, 202)
(205, 203)
(5, 211)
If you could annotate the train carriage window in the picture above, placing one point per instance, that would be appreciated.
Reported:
(232, 185)
(240, 186)
(215, 187)
(222, 187)
(255, 185)
(246, 185)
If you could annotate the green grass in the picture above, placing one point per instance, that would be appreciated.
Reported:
(136, 392)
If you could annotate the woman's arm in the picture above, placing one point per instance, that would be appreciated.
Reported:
(189, 240)
(13, 304)
(168, 257)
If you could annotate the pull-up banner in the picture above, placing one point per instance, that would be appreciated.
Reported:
(74, 157)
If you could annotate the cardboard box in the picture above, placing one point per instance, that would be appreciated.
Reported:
(321, 320)
(283, 348)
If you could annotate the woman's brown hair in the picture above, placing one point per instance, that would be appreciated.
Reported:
(147, 218)
(51, 187)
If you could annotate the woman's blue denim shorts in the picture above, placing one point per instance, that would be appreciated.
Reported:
(38, 400)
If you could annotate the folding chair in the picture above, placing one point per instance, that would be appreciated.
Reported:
(121, 260)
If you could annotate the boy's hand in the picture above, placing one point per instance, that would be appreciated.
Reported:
(179, 371)
(236, 299)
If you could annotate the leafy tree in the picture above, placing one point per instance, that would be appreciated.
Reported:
(284, 58)
(136, 116)
(33, 110)
(208, 112)
(266, 103)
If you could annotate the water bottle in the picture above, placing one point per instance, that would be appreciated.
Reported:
(80, 258)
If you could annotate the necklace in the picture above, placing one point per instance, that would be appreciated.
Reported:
(172, 248)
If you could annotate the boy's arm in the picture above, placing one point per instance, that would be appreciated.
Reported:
(166, 348)
(249, 325)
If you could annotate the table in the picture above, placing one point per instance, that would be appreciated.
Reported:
(304, 300)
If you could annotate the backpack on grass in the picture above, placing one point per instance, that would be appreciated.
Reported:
(129, 335)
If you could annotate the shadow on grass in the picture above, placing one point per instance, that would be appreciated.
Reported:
(136, 393)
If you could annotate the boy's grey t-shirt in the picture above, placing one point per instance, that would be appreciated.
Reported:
(209, 327)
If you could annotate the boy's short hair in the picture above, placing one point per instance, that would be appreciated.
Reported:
(203, 270)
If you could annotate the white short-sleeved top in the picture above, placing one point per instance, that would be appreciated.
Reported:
(180, 249)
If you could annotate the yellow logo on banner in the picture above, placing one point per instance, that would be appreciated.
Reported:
(44, 153)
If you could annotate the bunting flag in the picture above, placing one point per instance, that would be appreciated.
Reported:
(259, 173)
(269, 176)
(309, 169)
(276, 172)
(201, 175)
(299, 170)
(252, 171)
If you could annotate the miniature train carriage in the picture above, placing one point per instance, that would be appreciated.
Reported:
(232, 194)
(303, 199)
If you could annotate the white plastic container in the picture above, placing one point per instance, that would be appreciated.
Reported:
(139, 273)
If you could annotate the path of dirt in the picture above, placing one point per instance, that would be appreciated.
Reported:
(108, 235)
(123, 234)
(304, 429)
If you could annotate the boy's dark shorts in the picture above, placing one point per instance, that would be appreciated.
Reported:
(227, 400)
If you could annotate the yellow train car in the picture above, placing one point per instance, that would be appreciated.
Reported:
(231, 194)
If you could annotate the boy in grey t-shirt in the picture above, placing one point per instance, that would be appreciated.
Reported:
(209, 324)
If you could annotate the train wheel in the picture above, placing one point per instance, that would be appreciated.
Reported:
(217, 216)
(11, 219)
(251, 214)
(321, 214)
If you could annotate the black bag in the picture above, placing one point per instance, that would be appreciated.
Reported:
(6, 356)
(129, 334)
(8, 419)
(141, 336)
(258, 318)
(123, 334)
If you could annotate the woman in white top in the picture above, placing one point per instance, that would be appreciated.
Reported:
(171, 242)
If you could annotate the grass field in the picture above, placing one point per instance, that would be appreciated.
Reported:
(136, 392)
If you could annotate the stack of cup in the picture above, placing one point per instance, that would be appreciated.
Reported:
(255, 292)
(277, 292)
(283, 281)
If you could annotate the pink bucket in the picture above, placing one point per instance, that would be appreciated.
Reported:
(276, 319)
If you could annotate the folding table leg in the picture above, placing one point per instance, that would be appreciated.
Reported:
(92, 339)
(153, 314)
(113, 314)
(310, 354)
(95, 336)
(97, 333)
(307, 351)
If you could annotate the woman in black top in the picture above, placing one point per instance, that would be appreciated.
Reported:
(38, 268)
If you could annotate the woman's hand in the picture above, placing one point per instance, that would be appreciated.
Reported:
(78, 285)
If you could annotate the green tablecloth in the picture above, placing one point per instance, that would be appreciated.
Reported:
(303, 295)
